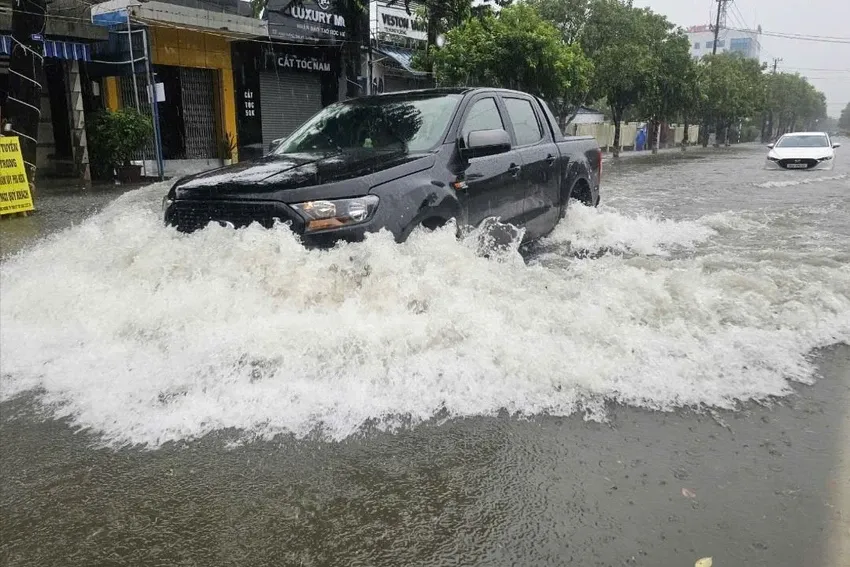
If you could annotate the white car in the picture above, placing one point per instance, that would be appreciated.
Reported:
(802, 150)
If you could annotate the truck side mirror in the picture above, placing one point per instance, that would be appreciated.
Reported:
(481, 143)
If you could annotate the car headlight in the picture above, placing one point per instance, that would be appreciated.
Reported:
(827, 158)
(337, 213)
(773, 158)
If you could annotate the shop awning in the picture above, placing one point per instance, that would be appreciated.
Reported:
(404, 57)
(70, 50)
(67, 50)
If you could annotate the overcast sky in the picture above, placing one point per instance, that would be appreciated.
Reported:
(827, 65)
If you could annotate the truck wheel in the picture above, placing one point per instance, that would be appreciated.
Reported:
(433, 223)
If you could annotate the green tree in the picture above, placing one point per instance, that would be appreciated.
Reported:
(568, 16)
(844, 120)
(439, 16)
(618, 39)
(734, 89)
(667, 91)
(793, 103)
(517, 50)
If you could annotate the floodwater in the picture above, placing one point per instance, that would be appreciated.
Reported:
(659, 380)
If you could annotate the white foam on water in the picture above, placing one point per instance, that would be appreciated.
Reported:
(800, 181)
(600, 228)
(148, 336)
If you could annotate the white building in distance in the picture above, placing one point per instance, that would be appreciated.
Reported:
(745, 42)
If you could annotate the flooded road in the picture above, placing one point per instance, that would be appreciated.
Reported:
(660, 380)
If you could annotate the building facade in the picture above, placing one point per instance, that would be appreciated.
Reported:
(303, 64)
(66, 89)
(396, 37)
(745, 42)
(178, 70)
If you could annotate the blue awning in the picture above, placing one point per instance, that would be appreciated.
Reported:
(404, 57)
(70, 50)
(67, 50)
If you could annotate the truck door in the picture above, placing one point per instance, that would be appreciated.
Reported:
(540, 164)
(492, 184)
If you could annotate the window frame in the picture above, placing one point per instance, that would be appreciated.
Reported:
(468, 109)
(534, 110)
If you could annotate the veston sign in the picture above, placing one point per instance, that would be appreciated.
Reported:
(394, 20)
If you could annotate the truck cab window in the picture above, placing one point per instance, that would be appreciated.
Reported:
(526, 126)
(484, 115)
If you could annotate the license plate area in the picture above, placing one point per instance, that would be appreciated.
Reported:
(797, 166)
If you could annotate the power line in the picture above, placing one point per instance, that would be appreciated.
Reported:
(816, 69)
(801, 37)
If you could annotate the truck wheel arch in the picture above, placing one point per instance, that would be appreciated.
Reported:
(579, 190)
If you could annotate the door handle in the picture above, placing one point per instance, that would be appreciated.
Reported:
(550, 159)
(514, 169)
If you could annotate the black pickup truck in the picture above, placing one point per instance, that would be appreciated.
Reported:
(399, 161)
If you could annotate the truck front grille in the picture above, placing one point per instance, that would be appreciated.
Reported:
(189, 216)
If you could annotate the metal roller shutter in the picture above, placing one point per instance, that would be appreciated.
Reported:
(288, 100)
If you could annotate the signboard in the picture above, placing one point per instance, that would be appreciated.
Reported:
(291, 62)
(394, 20)
(307, 20)
(15, 196)
(249, 108)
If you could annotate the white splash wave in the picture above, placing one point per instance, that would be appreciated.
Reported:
(149, 336)
(800, 181)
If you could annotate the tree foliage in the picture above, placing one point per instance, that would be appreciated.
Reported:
(793, 102)
(667, 92)
(625, 45)
(568, 16)
(844, 120)
(516, 49)
(733, 86)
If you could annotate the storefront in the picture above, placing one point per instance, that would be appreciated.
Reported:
(186, 52)
(396, 38)
(66, 94)
(283, 79)
(278, 87)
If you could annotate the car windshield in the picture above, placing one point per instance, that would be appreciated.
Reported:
(413, 124)
(803, 142)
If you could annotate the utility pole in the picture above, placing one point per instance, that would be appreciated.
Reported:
(776, 61)
(721, 21)
(25, 72)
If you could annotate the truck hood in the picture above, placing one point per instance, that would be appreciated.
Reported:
(287, 172)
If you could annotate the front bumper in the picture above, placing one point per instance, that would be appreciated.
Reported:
(783, 165)
(191, 215)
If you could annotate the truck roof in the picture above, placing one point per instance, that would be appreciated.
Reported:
(433, 92)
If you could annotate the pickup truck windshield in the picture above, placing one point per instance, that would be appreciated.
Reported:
(415, 124)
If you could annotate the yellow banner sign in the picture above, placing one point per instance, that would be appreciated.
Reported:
(15, 196)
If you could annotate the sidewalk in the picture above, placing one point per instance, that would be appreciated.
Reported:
(608, 157)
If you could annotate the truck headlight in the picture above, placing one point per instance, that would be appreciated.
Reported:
(337, 213)
(166, 202)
